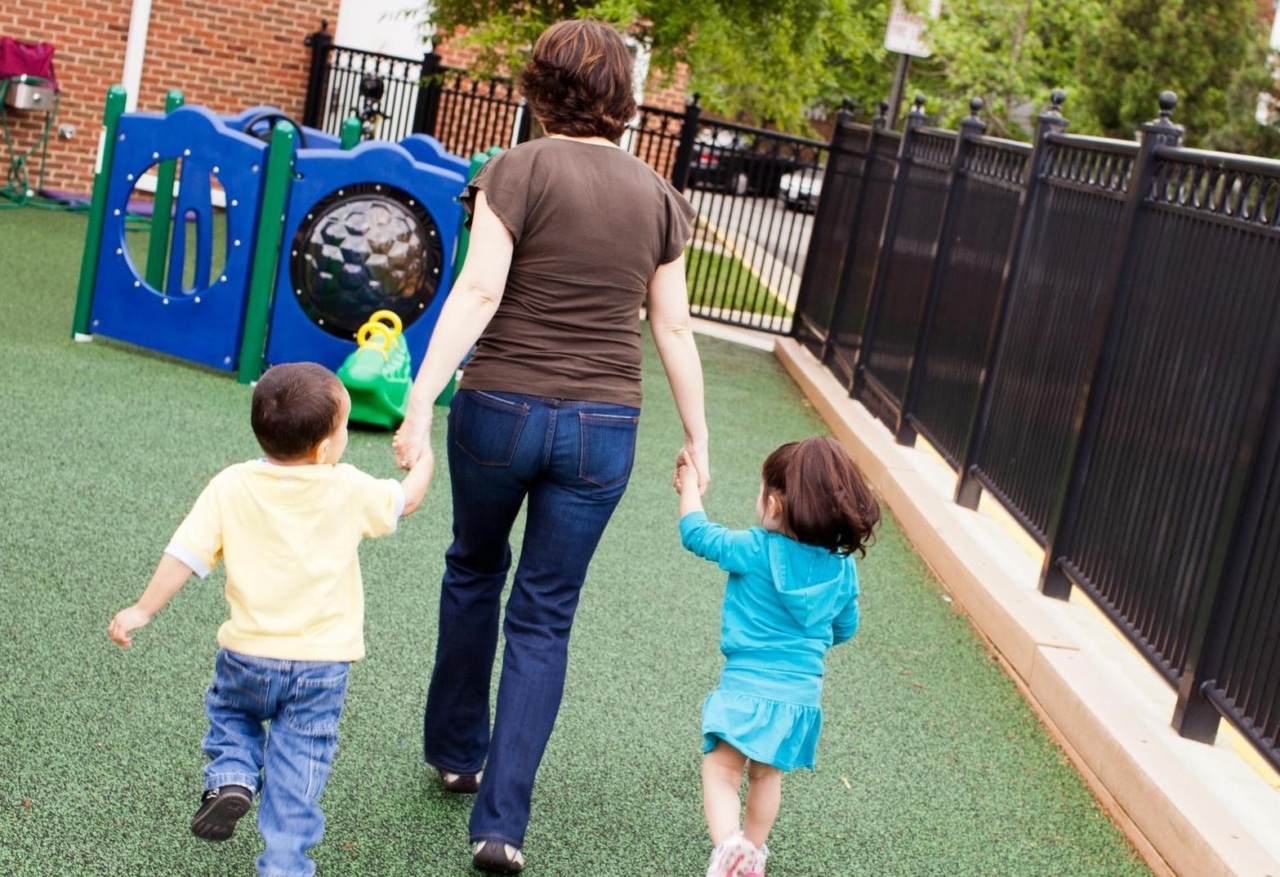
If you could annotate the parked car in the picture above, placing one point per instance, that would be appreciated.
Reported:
(738, 163)
(800, 190)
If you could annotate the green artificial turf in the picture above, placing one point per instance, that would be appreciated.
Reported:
(929, 764)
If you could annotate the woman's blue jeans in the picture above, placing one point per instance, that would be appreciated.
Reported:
(571, 461)
(302, 701)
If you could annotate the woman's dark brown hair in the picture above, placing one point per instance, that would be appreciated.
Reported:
(825, 499)
(295, 407)
(578, 81)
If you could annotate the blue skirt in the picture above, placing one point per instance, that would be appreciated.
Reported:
(745, 711)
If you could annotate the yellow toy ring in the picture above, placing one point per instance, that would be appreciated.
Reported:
(390, 317)
(377, 336)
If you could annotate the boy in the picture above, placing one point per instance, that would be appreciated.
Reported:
(287, 527)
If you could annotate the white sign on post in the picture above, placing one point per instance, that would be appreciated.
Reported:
(905, 34)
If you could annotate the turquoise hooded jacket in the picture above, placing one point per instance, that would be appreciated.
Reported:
(785, 602)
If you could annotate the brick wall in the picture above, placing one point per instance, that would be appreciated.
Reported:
(668, 92)
(226, 55)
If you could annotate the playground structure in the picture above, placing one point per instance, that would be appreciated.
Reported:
(379, 373)
(269, 242)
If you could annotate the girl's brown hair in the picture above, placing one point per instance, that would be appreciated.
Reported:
(578, 80)
(825, 498)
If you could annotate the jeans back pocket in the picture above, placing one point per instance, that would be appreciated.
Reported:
(608, 448)
(486, 427)
(315, 703)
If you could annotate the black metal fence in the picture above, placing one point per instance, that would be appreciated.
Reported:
(1089, 330)
(397, 97)
(754, 190)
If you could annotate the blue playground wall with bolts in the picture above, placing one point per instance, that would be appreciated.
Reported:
(268, 242)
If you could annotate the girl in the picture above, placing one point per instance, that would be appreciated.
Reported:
(792, 593)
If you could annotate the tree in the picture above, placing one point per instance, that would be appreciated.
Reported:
(762, 61)
(1211, 53)
(1011, 55)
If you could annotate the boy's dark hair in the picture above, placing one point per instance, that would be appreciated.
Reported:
(295, 407)
(825, 498)
(578, 81)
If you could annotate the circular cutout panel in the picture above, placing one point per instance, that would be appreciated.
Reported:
(362, 249)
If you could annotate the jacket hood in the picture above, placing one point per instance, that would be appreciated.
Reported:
(811, 581)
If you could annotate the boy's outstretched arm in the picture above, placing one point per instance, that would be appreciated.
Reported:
(170, 575)
(415, 484)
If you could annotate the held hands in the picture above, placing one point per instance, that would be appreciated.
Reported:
(125, 622)
(411, 439)
(688, 478)
(694, 458)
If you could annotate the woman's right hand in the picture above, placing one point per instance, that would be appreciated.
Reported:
(410, 439)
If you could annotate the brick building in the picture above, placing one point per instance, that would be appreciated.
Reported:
(227, 55)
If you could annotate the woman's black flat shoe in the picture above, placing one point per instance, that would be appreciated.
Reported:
(463, 783)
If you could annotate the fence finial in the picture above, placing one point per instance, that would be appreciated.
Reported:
(881, 118)
(1051, 121)
(972, 126)
(1169, 132)
(917, 105)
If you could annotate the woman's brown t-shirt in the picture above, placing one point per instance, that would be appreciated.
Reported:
(591, 224)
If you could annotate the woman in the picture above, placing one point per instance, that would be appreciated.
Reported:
(570, 235)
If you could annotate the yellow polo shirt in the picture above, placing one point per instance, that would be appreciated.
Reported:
(288, 536)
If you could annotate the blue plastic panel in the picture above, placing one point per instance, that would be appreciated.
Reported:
(428, 150)
(202, 324)
(294, 336)
(312, 138)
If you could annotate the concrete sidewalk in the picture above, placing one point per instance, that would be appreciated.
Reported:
(1189, 809)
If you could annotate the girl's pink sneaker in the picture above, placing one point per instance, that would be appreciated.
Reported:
(733, 857)
(757, 870)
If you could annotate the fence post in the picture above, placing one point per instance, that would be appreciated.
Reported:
(426, 112)
(1054, 581)
(684, 149)
(317, 75)
(915, 119)
(968, 488)
(524, 123)
(1194, 715)
(844, 118)
(904, 433)
(878, 123)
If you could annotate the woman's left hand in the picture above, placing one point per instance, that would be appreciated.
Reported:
(695, 454)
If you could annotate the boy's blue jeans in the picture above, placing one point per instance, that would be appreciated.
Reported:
(570, 461)
(302, 701)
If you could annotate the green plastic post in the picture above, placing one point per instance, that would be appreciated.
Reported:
(351, 131)
(97, 211)
(161, 216)
(464, 240)
(464, 236)
(266, 250)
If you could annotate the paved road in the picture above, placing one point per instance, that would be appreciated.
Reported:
(783, 233)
